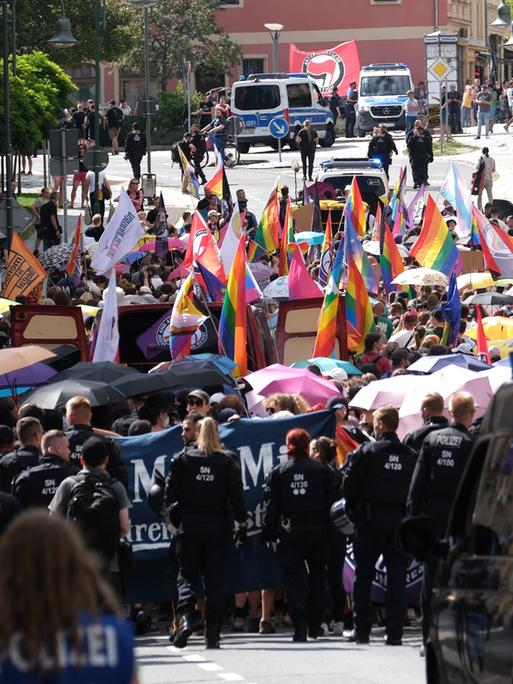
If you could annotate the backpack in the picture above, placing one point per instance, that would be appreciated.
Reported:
(94, 508)
(118, 116)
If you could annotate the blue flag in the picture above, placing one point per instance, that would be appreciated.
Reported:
(452, 310)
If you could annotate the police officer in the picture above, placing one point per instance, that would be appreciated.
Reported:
(135, 149)
(299, 494)
(432, 412)
(37, 486)
(375, 487)
(24, 456)
(381, 147)
(420, 148)
(351, 102)
(204, 482)
(438, 472)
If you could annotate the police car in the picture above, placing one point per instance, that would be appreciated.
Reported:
(381, 96)
(372, 180)
(260, 98)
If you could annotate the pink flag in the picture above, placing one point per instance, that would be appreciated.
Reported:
(301, 283)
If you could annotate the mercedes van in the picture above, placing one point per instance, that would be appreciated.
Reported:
(382, 95)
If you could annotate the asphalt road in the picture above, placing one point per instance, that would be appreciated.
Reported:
(274, 659)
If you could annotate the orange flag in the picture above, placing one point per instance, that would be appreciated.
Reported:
(482, 342)
(345, 444)
(24, 272)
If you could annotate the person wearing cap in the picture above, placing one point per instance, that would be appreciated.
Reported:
(404, 334)
(350, 108)
(432, 412)
(375, 487)
(198, 401)
(299, 494)
(213, 223)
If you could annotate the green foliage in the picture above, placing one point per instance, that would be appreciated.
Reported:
(35, 22)
(39, 92)
(172, 107)
(184, 29)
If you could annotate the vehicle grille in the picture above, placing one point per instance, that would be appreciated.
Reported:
(384, 111)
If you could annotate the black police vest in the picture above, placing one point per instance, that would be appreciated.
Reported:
(448, 452)
(77, 435)
(303, 486)
(203, 482)
(388, 471)
(37, 486)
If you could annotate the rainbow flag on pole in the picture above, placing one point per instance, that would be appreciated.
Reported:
(268, 229)
(186, 318)
(353, 250)
(390, 260)
(287, 238)
(435, 248)
(356, 208)
(74, 268)
(326, 339)
(232, 322)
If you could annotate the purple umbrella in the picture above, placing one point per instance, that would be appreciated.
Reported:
(30, 376)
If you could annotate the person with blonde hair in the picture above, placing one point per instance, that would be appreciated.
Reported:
(60, 621)
(204, 482)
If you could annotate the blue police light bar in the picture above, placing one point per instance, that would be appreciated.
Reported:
(377, 163)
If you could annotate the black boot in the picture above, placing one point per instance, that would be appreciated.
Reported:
(187, 623)
(299, 631)
(212, 635)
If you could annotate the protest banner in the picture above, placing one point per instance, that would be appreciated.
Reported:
(336, 66)
(24, 272)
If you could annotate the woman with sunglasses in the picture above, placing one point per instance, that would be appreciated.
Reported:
(79, 178)
(136, 194)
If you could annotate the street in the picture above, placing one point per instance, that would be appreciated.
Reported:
(274, 659)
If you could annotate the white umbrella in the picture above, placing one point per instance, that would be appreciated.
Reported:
(387, 392)
(421, 276)
(277, 289)
(372, 247)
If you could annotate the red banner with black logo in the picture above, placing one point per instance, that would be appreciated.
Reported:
(337, 66)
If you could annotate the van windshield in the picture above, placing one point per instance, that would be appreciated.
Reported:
(384, 85)
(257, 97)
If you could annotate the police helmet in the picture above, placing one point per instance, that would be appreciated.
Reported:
(340, 519)
(156, 493)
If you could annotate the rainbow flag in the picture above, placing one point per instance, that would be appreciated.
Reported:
(474, 230)
(232, 321)
(268, 229)
(326, 339)
(287, 239)
(218, 184)
(254, 251)
(390, 260)
(435, 248)
(359, 316)
(186, 318)
(357, 210)
(74, 266)
(326, 252)
(397, 196)
(353, 251)
(345, 444)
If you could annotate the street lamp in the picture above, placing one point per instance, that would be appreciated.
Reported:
(274, 31)
(63, 36)
(146, 4)
(501, 21)
(503, 17)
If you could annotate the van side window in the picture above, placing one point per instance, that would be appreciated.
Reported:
(257, 97)
(494, 503)
(318, 96)
(299, 95)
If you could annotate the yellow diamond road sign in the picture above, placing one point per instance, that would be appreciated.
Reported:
(440, 69)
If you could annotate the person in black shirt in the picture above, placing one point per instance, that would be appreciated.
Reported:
(381, 147)
(198, 149)
(9, 509)
(205, 111)
(50, 230)
(79, 117)
(26, 455)
(218, 130)
(351, 102)
(113, 121)
(135, 149)
(307, 140)
(334, 104)
(186, 149)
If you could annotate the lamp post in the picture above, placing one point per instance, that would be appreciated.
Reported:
(7, 120)
(274, 31)
(501, 21)
(146, 4)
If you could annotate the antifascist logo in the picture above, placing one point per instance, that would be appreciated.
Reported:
(327, 68)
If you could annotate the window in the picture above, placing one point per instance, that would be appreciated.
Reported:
(230, 2)
(299, 95)
(257, 97)
(384, 85)
(253, 65)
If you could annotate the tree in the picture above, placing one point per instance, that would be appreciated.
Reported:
(35, 24)
(184, 29)
(39, 93)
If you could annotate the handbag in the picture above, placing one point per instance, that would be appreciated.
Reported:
(477, 183)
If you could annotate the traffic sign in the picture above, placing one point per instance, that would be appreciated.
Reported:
(20, 216)
(102, 160)
(278, 127)
(57, 166)
(440, 69)
(235, 125)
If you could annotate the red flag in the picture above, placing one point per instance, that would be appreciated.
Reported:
(482, 342)
(301, 283)
(336, 66)
(345, 444)
(202, 248)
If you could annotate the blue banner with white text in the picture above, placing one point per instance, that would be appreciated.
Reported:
(258, 445)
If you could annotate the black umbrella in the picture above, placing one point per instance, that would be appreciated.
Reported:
(103, 371)
(139, 383)
(56, 394)
(490, 298)
(197, 373)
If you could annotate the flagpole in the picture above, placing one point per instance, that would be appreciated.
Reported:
(220, 343)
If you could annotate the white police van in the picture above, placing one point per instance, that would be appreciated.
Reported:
(259, 98)
(381, 96)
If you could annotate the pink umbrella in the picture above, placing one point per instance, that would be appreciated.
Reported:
(277, 378)
(172, 243)
(387, 392)
(446, 382)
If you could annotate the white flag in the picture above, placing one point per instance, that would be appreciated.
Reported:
(120, 235)
(107, 339)
(231, 239)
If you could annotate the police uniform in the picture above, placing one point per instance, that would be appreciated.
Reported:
(135, 149)
(375, 487)
(37, 486)
(416, 438)
(442, 460)
(205, 486)
(299, 494)
(12, 464)
(78, 434)
(420, 147)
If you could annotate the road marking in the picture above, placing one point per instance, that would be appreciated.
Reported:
(210, 667)
(230, 677)
(194, 658)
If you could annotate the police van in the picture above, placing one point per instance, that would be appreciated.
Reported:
(381, 97)
(260, 98)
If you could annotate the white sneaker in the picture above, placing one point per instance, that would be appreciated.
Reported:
(325, 629)
(338, 628)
